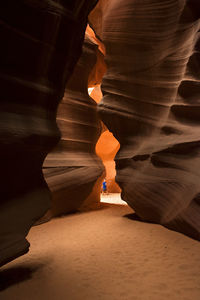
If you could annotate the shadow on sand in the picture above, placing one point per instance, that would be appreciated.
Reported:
(135, 217)
(16, 274)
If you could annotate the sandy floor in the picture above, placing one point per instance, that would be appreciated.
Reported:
(104, 255)
(113, 198)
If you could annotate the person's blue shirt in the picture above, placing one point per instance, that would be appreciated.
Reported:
(104, 186)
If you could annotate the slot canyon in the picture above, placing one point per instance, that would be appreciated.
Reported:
(93, 91)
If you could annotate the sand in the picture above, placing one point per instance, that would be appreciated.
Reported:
(104, 255)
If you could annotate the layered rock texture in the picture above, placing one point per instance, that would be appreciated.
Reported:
(151, 94)
(106, 148)
(40, 43)
(73, 168)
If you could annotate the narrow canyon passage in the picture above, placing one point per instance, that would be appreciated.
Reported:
(89, 93)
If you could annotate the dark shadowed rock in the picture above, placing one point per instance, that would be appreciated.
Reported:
(40, 43)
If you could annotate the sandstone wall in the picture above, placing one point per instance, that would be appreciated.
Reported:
(150, 103)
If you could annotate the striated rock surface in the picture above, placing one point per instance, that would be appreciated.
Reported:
(73, 168)
(106, 148)
(40, 43)
(151, 94)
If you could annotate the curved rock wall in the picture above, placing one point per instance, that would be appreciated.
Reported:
(72, 169)
(40, 43)
(150, 103)
(106, 148)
